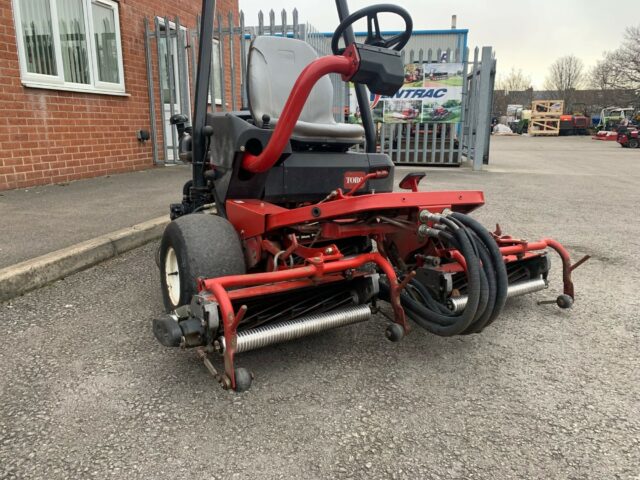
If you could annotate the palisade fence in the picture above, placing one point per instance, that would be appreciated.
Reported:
(171, 62)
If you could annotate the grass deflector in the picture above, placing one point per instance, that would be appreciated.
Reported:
(308, 235)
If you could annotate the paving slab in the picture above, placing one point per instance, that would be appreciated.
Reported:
(40, 220)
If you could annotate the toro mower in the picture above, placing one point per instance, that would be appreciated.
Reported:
(284, 231)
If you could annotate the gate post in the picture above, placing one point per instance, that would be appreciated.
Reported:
(484, 109)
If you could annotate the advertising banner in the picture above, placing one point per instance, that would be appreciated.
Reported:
(432, 92)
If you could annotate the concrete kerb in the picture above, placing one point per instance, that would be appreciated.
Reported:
(31, 274)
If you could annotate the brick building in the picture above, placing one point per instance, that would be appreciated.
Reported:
(73, 87)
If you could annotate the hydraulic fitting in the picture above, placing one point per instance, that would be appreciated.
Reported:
(426, 216)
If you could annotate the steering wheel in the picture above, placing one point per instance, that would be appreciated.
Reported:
(374, 35)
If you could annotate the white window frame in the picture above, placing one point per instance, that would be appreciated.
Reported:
(57, 82)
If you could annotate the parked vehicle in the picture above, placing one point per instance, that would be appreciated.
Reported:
(628, 138)
(574, 125)
(611, 117)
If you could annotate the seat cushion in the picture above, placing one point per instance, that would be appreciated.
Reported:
(327, 132)
(274, 65)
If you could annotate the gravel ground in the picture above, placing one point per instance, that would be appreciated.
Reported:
(86, 392)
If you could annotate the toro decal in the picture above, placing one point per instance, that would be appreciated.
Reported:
(351, 179)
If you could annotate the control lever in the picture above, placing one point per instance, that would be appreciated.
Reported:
(180, 120)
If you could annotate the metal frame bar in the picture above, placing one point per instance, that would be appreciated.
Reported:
(183, 67)
(159, 56)
(223, 86)
(150, 89)
(172, 86)
(202, 84)
(465, 98)
(232, 62)
(483, 127)
(243, 66)
(361, 91)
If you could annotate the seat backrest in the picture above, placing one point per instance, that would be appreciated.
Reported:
(274, 65)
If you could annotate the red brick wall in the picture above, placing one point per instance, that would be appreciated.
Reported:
(49, 136)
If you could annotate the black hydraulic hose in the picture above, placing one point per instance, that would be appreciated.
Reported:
(487, 280)
(502, 279)
(449, 325)
(490, 277)
(485, 289)
(428, 299)
(487, 277)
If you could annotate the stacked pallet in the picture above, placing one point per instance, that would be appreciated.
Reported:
(545, 117)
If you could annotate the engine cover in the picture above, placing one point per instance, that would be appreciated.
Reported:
(311, 176)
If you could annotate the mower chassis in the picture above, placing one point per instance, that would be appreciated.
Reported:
(256, 220)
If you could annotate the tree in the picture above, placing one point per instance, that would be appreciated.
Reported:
(625, 61)
(602, 75)
(514, 81)
(566, 74)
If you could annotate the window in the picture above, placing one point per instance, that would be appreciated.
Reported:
(70, 44)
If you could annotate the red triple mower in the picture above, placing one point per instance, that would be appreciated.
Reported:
(308, 235)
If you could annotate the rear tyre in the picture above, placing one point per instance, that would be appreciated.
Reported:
(634, 143)
(194, 246)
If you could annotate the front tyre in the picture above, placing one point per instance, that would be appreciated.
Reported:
(194, 246)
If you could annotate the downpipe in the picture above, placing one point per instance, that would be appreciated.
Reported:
(272, 334)
(457, 304)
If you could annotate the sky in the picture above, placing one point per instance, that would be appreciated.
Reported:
(525, 34)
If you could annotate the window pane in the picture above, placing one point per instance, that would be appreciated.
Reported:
(164, 70)
(38, 36)
(104, 24)
(216, 70)
(73, 40)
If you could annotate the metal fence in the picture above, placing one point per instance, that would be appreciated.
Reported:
(476, 130)
(431, 143)
(171, 53)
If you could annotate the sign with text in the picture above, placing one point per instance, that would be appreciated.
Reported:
(432, 92)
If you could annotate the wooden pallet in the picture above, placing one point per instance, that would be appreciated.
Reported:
(545, 117)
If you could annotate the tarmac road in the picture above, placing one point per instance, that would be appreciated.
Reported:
(86, 392)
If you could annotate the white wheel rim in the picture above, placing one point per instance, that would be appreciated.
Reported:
(172, 276)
